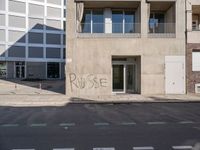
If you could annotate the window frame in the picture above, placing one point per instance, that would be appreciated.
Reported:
(195, 68)
(91, 20)
(123, 22)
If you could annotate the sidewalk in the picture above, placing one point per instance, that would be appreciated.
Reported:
(63, 100)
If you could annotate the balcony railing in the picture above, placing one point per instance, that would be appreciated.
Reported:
(106, 28)
(162, 29)
(196, 28)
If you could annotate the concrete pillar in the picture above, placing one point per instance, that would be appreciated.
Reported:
(189, 15)
(138, 20)
(108, 20)
(180, 19)
(145, 8)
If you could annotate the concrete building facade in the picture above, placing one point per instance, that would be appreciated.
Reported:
(132, 46)
(32, 39)
(193, 46)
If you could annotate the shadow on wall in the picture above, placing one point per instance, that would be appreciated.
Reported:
(44, 44)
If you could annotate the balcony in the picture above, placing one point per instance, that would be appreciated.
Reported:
(162, 20)
(193, 29)
(162, 30)
(108, 19)
(196, 18)
(110, 29)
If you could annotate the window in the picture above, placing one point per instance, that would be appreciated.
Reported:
(196, 60)
(156, 23)
(93, 21)
(117, 21)
(98, 21)
(53, 70)
(123, 21)
(129, 18)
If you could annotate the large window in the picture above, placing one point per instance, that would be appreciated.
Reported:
(123, 21)
(53, 70)
(195, 60)
(93, 21)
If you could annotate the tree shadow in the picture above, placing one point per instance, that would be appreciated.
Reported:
(23, 63)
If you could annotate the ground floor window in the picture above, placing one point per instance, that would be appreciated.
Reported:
(53, 70)
(195, 60)
(3, 70)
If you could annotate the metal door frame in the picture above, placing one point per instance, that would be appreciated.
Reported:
(124, 63)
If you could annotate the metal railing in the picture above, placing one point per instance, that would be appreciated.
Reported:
(162, 27)
(118, 28)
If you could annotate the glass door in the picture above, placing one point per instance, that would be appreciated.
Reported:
(130, 78)
(17, 72)
(20, 70)
(118, 78)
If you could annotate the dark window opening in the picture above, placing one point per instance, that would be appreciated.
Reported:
(53, 70)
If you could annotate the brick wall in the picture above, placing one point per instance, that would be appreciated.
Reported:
(193, 77)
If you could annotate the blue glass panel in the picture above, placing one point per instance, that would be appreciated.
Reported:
(117, 21)
(86, 22)
(129, 22)
(98, 21)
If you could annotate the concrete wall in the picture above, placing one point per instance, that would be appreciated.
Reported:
(89, 61)
(170, 19)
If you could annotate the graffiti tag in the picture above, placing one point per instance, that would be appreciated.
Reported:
(89, 81)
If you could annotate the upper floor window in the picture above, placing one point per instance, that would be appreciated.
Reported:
(123, 21)
(156, 23)
(93, 21)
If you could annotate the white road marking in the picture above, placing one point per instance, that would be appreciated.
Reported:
(143, 148)
(186, 122)
(24, 149)
(198, 128)
(63, 149)
(67, 124)
(66, 128)
(182, 147)
(128, 123)
(104, 148)
(10, 125)
(101, 124)
(156, 122)
(38, 125)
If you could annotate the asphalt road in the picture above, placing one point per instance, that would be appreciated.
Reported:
(135, 126)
